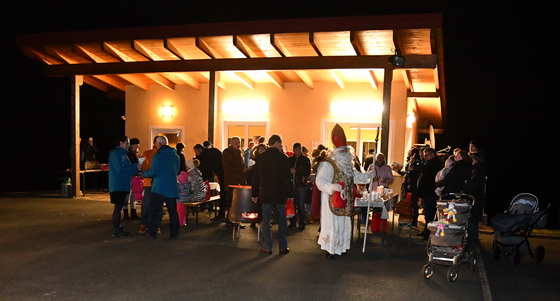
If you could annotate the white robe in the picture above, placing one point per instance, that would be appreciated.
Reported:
(335, 230)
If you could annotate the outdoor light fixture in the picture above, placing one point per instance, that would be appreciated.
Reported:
(167, 110)
(397, 60)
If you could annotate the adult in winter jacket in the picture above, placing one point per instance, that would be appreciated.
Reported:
(163, 171)
(121, 171)
(455, 181)
(271, 187)
(427, 187)
(476, 186)
(300, 168)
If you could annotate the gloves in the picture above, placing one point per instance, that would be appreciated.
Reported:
(337, 187)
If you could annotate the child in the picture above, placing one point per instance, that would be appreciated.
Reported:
(198, 189)
(191, 187)
(444, 171)
(184, 191)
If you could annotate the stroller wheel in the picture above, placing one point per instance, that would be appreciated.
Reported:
(516, 256)
(428, 271)
(452, 274)
(497, 253)
(538, 254)
(472, 261)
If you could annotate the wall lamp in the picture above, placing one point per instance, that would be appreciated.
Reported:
(167, 110)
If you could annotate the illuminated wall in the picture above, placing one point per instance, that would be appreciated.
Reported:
(296, 112)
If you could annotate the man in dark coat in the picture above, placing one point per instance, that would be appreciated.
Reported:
(300, 170)
(234, 170)
(427, 187)
(271, 187)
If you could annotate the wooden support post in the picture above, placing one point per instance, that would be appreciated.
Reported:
(212, 104)
(76, 82)
(386, 115)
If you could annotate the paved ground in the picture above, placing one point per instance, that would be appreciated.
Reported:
(62, 249)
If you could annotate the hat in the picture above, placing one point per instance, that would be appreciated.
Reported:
(134, 141)
(207, 143)
(338, 137)
(476, 156)
(477, 143)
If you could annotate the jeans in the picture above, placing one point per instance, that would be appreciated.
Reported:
(156, 213)
(299, 204)
(282, 226)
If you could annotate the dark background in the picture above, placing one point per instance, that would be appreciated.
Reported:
(497, 67)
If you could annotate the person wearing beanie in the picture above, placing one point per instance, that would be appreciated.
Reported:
(476, 146)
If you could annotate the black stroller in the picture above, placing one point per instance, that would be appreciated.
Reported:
(514, 226)
(447, 244)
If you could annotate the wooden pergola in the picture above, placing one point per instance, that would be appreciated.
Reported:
(341, 50)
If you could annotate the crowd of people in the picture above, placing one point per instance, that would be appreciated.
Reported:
(321, 186)
(425, 179)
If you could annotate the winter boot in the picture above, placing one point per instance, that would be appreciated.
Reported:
(126, 214)
(119, 232)
(133, 214)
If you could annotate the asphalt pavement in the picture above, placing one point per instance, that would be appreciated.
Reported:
(55, 248)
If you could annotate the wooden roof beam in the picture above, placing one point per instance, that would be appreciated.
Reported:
(63, 54)
(189, 80)
(423, 94)
(115, 52)
(135, 80)
(275, 79)
(312, 42)
(337, 76)
(161, 80)
(358, 47)
(96, 83)
(42, 56)
(242, 47)
(277, 44)
(204, 47)
(245, 80)
(407, 80)
(373, 80)
(112, 81)
(145, 51)
(305, 78)
(288, 63)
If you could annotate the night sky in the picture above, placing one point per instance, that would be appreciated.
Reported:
(497, 70)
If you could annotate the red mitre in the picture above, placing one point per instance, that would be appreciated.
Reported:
(338, 137)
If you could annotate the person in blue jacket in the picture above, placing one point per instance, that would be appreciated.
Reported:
(121, 171)
(163, 171)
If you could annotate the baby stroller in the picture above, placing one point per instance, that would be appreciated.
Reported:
(447, 243)
(514, 226)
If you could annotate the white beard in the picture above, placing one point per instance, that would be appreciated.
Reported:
(344, 158)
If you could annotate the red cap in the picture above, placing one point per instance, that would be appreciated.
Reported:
(338, 137)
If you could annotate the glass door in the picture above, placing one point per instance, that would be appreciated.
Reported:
(247, 131)
(361, 137)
